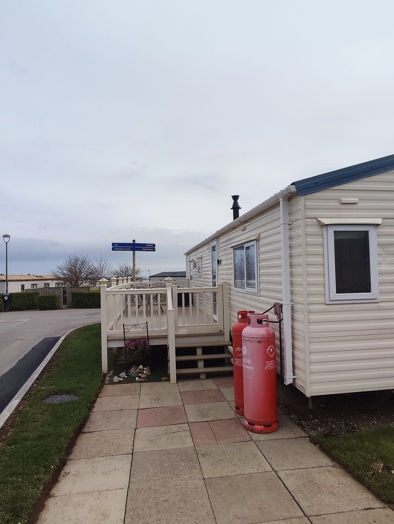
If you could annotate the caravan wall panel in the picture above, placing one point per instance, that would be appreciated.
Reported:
(351, 346)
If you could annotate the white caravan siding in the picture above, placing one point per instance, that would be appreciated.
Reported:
(351, 346)
(266, 229)
(299, 298)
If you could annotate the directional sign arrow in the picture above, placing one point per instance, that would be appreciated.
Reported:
(133, 248)
(133, 244)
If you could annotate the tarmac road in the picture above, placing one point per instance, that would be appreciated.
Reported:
(20, 331)
(26, 339)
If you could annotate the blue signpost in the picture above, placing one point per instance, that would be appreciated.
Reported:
(133, 246)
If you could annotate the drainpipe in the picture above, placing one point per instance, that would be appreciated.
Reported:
(286, 295)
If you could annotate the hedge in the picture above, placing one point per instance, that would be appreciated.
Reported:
(1, 303)
(23, 301)
(85, 299)
(48, 302)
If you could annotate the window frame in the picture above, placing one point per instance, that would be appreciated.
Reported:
(332, 297)
(247, 289)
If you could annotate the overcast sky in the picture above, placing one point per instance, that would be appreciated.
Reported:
(126, 119)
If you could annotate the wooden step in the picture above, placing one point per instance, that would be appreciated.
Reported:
(203, 344)
(198, 371)
(183, 358)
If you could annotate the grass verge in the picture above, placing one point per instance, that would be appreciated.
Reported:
(368, 455)
(41, 434)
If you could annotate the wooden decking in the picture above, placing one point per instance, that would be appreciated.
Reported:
(177, 318)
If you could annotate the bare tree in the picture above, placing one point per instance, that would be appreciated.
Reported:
(126, 270)
(102, 269)
(75, 271)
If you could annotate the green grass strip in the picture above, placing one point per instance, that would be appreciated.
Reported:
(360, 453)
(41, 433)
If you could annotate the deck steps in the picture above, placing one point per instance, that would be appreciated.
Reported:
(217, 369)
(203, 358)
(216, 356)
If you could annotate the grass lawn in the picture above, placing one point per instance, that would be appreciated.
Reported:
(40, 434)
(368, 455)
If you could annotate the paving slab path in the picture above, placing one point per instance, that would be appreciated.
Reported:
(178, 454)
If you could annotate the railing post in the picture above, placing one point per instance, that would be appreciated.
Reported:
(171, 330)
(104, 325)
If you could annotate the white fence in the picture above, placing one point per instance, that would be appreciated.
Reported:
(170, 311)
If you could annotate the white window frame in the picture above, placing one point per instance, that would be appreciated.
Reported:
(246, 289)
(332, 297)
(199, 266)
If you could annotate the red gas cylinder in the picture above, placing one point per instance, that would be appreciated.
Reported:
(259, 375)
(236, 333)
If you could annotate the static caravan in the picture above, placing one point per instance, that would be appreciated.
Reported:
(324, 248)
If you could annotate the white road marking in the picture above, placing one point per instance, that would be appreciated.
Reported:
(19, 322)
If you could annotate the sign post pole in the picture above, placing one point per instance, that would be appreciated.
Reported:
(134, 257)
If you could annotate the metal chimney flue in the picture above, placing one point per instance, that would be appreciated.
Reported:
(235, 207)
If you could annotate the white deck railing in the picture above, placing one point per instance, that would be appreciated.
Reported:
(169, 310)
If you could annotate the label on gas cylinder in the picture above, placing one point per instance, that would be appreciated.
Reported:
(270, 364)
(246, 362)
(270, 351)
(238, 356)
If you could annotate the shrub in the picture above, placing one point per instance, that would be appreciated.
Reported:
(85, 299)
(23, 301)
(48, 302)
(1, 303)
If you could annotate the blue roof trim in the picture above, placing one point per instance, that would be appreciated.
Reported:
(344, 175)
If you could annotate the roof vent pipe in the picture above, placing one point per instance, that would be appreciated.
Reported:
(235, 207)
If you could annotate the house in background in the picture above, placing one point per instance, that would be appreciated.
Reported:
(18, 283)
(324, 248)
(175, 275)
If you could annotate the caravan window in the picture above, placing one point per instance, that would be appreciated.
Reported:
(245, 267)
(351, 263)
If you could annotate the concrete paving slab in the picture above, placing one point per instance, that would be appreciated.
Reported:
(157, 401)
(163, 416)
(103, 444)
(251, 498)
(116, 403)
(120, 389)
(218, 432)
(100, 507)
(209, 411)
(228, 393)
(202, 434)
(231, 459)
(158, 388)
(156, 468)
(108, 420)
(202, 396)
(287, 429)
(370, 516)
(230, 430)
(95, 474)
(163, 437)
(300, 520)
(196, 385)
(295, 453)
(173, 502)
(333, 491)
(224, 382)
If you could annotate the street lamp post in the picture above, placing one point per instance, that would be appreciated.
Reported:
(6, 239)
